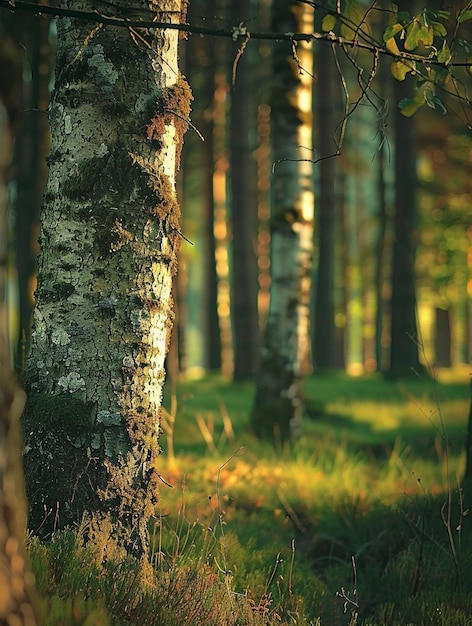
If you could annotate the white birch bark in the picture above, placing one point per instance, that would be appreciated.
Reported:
(285, 351)
(109, 236)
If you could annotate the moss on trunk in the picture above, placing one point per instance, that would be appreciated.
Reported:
(109, 238)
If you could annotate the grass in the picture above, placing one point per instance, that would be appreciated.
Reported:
(361, 521)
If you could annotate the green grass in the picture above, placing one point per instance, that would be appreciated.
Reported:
(361, 521)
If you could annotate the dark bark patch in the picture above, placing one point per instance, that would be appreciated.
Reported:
(101, 175)
(56, 433)
(59, 291)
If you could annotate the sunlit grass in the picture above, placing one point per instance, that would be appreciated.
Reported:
(360, 521)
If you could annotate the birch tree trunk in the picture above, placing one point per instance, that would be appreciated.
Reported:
(109, 236)
(285, 352)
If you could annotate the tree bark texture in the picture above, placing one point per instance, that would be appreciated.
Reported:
(109, 237)
(285, 352)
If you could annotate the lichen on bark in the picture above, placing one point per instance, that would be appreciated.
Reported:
(109, 239)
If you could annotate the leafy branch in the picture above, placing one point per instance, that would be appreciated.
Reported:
(426, 45)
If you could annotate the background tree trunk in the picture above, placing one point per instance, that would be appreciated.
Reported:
(244, 214)
(211, 319)
(380, 271)
(109, 237)
(29, 166)
(324, 352)
(16, 581)
(285, 351)
(404, 360)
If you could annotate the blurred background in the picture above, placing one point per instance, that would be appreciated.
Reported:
(390, 170)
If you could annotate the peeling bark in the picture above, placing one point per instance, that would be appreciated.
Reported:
(109, 238)
(285, 353)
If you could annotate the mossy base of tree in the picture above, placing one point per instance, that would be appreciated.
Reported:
(57, 431)
(274, 419)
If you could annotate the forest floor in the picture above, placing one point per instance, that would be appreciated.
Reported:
(360, 521)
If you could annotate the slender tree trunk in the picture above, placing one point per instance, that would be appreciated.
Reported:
(404, 360)
(31, 146)
(109, 237)
(244, 216)
(16, 581)
(442, 334)
(380, 261)
(211, 320)
(325, 331)
(285, 349)
(220, 224)
(203, 58)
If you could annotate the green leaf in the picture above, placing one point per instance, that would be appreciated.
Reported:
(441, 76)
(464, 16)
(412, 38)
(439, 29)
(409, 106)
(328, 23)
(464, 45)
(354, 13)
(399, 69)
(429, 98)
(404, 17)
(392, 46)
(426, 35)
(444, 55)
(433, 101)
(439, 105)
(391, 31)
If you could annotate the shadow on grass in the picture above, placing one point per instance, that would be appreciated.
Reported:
(394, 565)
(427, 442)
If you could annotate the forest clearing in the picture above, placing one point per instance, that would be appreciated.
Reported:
(235, 313)
(249, 534)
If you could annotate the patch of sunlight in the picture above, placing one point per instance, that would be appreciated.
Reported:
(378, 415)
(355, 369)
(195, 372)
(460, 373)
(416, 413)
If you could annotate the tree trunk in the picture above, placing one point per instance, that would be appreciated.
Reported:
(109, 237)
(442, 334)
(404, 360)
(244, 216)
(30, 170)
(325, 331)
(212, 332)
(380, 246)
(286, 344)
(16, 581)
